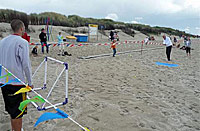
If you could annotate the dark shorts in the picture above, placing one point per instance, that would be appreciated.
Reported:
(187, 49)
(12, 102)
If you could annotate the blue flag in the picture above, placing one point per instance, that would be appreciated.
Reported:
(10, 81)
(50, 116)
(167, 64)
(62, 113)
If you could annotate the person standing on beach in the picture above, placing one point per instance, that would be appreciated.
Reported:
(146, 40)
(188, 47)
(111, 35)
(175, 41)
(14, 55)
(168, 43)
(113, 46)
(43, 40)
(61, 44)
(185, 40)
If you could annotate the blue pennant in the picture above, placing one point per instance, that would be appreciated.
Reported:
(50, 116)
(62, 113)
(10, 81)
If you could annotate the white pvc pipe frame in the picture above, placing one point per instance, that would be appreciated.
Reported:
(45, 80)
(53, 106)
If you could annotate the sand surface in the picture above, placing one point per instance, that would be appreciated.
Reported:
(126, 93)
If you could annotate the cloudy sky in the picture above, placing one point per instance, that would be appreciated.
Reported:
(178, 14)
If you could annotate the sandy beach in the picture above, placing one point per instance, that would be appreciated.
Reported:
(128, 92)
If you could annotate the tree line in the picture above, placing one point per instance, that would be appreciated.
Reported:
(56, 19)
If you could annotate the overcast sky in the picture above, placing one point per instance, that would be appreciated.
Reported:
(178, 14)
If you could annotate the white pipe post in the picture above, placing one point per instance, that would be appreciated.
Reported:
(53, 86)
(58, 104)
(66, 77)
(38, 68)
(36, 89)
(34, 104)
(45, 75)
(55, 60)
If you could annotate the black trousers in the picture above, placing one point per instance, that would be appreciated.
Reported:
(47, 47)
(188, 49)
(168, 52)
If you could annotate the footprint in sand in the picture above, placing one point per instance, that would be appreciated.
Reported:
(94, 118)
(141, 124)
(165, 113)
(124, 111)
(123, 103)
(123, 107)
(137, 108)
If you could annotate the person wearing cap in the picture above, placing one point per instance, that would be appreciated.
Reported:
(43, 40)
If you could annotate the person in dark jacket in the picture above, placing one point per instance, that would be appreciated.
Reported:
(43, 40)
(111, 35)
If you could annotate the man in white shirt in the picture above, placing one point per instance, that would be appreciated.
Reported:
(14, 55)
(168, 43)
